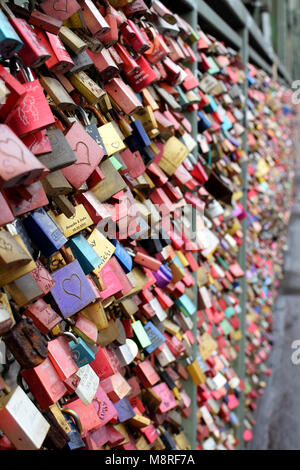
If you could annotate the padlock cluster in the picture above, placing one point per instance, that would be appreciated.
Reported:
(121, 232)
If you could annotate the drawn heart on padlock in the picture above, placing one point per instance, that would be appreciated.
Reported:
(60, 5)
(4, 245)
(115, 145)
(72, 286)
(12, 149)
(83, 152)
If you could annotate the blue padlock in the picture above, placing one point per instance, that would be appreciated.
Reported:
(156, 337)
(44, 232)
(76, 441)
(9, 40)
(84, 253)
(212, 107)
(185, 305)
(139, 139)
(203, 123)
(82, 354)
(122, 256)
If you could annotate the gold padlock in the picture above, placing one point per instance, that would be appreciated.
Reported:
(87, 87)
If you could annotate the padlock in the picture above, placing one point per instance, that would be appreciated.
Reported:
(139, 139)
(70, 39)
(33, 53)
(112, 183)
(79, 221)
(61, 155)
(18, 164)
(7, 320)
(103, 406)
(163, 12)
(109, 334)
(111, 17)
(116, 387)
(26, 343)
(82, 354)
(44, 232)
(81, 62)
(102, 365)
(44, 383)
(84, 253)
(86, 329)
(33, 112)
(128, 64)
(104, 64)
(87, 152)
(42, 315)
(168, 400)
(56, 437)
(55, 183)
(87, 414)
(60, 355)
(160, 48)
(21, 421)
(38, 142)
(195, 371)
(10, 41)
(72, 292)
(143, 77)
(102, 246)
(155, 336)
(11, 253)
(16, 93)
(89, 127)
(59, 60)
(87, 87)
(134, 162)
(26, 198)
(45, 22)
(61, 10)
(10, 274)
(96, 313)
(74, 434)
(147, 375)
(133, 36)
(136, 8)
(93, 19)
(122, 256)
(123, 96)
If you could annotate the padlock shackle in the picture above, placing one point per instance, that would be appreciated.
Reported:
(71, 335)
(61, 116)
(75, 417)
(98, 115)
(83, 114)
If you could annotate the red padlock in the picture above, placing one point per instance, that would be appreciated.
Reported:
(129, 65)
(16, 93)
(33, 112)
(17, 164)
(60, 9)
(142, 78)
(133, 36)
(33, 54)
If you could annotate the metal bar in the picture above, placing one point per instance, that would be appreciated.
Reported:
(207, 14)
(240, 12)
(241, 366)
(190, 424)
(281, 30)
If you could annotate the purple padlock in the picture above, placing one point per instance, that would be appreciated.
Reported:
(124, 410)
(163, 276)
(72, 291)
